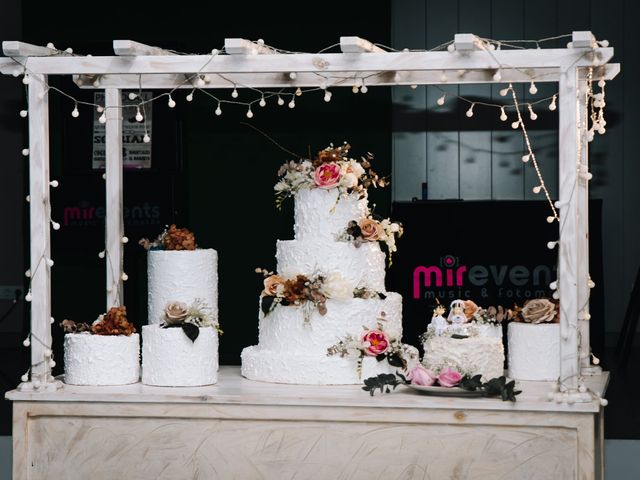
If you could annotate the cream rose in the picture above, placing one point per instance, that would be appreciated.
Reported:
(371, 229)
(273, 285)
(470, 309)
(175, 312)
(538, 310)
(335, 286)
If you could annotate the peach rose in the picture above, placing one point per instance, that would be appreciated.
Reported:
(449, 377)
(371, 229)
(327, 175)
(175, 312)
(419, 375)
(538, 310)
(273, 285)
(376, 342)
(470, 308)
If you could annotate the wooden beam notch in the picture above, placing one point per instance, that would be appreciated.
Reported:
(358, 45)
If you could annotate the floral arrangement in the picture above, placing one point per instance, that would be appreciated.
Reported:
(189, 317)
(371, 343)
(173, 238)
(370, 229)
(331, 168)
(490, 315)
(536, 310)
(447, 377)
(310, 292)
(114, 322)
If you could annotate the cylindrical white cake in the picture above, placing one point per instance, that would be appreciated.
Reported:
(101, 359)
(534, 351)
(479, 355)
(181, 276)
(170, 358)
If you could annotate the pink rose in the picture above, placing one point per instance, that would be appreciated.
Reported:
(327, 175)
(376, 342)
(419, 375)
(449, 377)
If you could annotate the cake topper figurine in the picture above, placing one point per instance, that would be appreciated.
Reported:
(456, 314)
(438, 321)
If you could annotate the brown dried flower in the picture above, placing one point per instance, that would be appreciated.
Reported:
(69, 326)
(114, 322)
(179, 239)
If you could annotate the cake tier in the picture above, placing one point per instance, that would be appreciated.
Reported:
(470, 356)
(319, 215)
(181, 276)
(284, 329)
(170, 359)
(307, 368)
(359, 266)
(534, 351)
(101, 359)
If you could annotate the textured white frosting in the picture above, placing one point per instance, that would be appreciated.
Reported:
(359, 266)
(101, 359)
(474, 355)
(284, 329)
(318, 216)
(170, 359)
(181, 276)
(489, 330)
(534, 351)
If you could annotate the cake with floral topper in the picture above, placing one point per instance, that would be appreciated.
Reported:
(534, 340)
(107, 352)
(180, 343)
(330, 282)
(469, 340)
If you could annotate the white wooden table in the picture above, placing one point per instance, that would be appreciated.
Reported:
(240, 429)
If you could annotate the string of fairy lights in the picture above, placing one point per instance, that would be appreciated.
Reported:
(594, 103)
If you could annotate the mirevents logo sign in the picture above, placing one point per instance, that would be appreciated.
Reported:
(85, 214)
(450, 280)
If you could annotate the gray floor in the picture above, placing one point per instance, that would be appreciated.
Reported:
(622, 459)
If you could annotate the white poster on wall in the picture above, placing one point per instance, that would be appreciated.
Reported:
(135, 153)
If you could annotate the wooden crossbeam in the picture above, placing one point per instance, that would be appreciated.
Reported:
(241, 46)
(20, 49)
(358, 45)
(131, 48)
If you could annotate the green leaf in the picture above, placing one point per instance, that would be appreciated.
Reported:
(191, 331)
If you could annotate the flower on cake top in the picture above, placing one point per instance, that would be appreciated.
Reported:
(173, 238)
(370, 229)
(114, 322)
(537, 310)
(189, 317)
(375, 342)
(331, 168)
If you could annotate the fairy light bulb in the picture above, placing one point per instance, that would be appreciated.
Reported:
(96, 82)
(451, 48)
(601, 83)
(200, 82)
(497, 76)
(293, 75)
(552, 105)
(25, 152)
(537, 189)
(503, 92)
(16, 73)
(441, 100)
(327, 96)
(52, 320)
(234, 93)
(413, 86)
(292, 103)
(25, 377)
(365, 89)
(101, 254)
(52, 363)
(323, 84)
(550, 219)
(249, 113)
(28, 297)
(553, 285)
(215, 52)
(280, 100)
(591, 283)
(397, 77)
(532, 88)
(469, 112)
(103, 118)
(28, 273)
(124, 277)
(503, 114)
(262, 102)
(298, 92)
(218, 111)
(55, 225)
(355, 89)
(99, 109)
(24, 113)
(551, 245)
(50, 262)
(444, 78)
(146, 138)
(27, 341)
(133, 96)
(171, 103)
(139, 116)
(556, 296)
(124, 240)
(28, 198)
(54, 183)
(595, 360)
(189, 97)
(532, 115)
(515, 124)
(26, 79)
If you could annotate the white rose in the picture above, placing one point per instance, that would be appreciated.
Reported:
(335, 286)
(348, 180)
(394, 227)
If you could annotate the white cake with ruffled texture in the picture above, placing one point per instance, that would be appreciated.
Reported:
(292, 350)
(181, 276)
(101, 359)
(534, 351)
(170, 358)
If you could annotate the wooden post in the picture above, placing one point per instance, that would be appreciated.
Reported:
(40, 242)
(114, 225)
(569, 257)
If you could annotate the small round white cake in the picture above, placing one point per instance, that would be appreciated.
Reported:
(171, 359)
(534, 351)
(101, 359)
(181, 276)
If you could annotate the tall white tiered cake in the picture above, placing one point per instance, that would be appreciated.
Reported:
(294, 338)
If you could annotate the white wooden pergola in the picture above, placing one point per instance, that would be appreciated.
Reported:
(252, 64)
